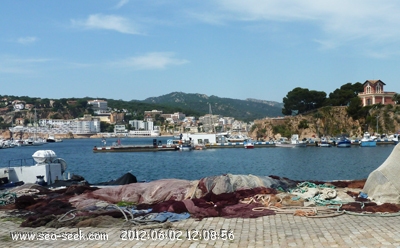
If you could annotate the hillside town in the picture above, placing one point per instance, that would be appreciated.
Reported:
(317, 122)
(89, 125)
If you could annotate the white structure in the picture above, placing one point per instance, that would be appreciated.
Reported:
(200, 138)
(178, 116)
(48, 167)
(120, 129)
(60, 126)
(142, 125)
(19, 106)
(152, 133)
(99, 106)
(137, 124)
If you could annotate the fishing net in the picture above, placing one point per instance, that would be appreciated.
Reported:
(147, 193)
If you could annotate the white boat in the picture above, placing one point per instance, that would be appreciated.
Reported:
(185, 145)
(294, 142)
(368, 140)
(324, 143)
(51, 139)
(6, 144)
(47, 170)
(236, 138)
(343, 142)
(248, 144)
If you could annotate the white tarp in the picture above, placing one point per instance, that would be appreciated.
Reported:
(383, 184)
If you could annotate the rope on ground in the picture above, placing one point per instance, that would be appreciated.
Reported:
(7, 198)
(61, 219)
(71, 212)
(309, 212)
(370, 214)
(259, 198)
(27, 191)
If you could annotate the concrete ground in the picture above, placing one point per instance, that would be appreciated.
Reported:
(281, 230)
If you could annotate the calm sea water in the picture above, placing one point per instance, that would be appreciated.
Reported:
(310, 163)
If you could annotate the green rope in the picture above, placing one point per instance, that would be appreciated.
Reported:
(7, 198)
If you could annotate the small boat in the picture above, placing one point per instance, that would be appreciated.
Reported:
(294, 142)
(51, 139)
(395, 138)
(324, 143)
(368, 140)
(200, 147)
(343, 142)
(236, 138)
(185, 145)
(249, 145)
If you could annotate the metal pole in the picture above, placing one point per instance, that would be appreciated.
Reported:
(377, 117)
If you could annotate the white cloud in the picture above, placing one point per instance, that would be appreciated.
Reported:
(109, 22)
(150, 61)
(26, 40)
(14, 65)
(336, 22)
(121, 3)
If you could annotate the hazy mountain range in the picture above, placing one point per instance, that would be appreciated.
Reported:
(249, 109)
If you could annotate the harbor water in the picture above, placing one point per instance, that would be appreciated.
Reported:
(309, 163)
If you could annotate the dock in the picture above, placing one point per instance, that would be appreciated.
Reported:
(281, 230)
(239, 144)
(135, 148)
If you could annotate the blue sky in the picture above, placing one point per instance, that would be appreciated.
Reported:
(131, 50)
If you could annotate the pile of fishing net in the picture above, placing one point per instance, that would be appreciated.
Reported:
(175, 189)
(228, 196)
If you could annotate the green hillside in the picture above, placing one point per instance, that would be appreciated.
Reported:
(247, 110)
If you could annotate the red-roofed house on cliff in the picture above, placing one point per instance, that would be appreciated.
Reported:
(374, 93)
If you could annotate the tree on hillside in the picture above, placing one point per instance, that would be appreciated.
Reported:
(301, 100)
(343, 96)
(354, 108)
(396, 98)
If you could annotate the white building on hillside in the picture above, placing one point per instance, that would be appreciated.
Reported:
(99, 106)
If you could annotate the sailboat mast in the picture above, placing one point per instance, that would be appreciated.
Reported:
(211, 118)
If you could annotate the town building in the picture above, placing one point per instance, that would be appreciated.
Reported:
(99, 106)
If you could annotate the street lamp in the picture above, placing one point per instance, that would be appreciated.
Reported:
(377, 118)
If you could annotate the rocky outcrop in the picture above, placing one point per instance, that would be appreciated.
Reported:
(328, 121)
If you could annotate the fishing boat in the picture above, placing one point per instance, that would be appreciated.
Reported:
(185, 145)
(343, 142)
(248, 145)
(294, 142)
(43, 168)
(368, 140)
(324, 143)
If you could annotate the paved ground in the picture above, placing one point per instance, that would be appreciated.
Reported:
(282, 230)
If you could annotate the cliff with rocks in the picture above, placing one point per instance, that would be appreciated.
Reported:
(329, 121)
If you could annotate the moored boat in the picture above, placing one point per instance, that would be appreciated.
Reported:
(294, 142)
(368, 140)
(343, 142)
(249, 145)
(185, 145)
(324, 143)
(47, 170)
